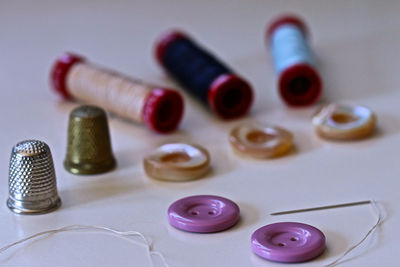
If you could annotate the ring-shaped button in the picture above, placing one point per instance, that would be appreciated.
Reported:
(177, 162)
(259, 141)
(343, 122)
(203, 214)
(288, 242)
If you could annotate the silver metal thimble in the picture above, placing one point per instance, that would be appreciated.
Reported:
(32, 181)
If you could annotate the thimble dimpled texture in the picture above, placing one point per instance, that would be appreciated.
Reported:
(89, 146)
(32, 179)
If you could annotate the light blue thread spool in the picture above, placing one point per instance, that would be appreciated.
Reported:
(298, 80)
(289, 47)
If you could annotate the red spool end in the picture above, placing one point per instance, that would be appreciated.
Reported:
(164, 41)
(163, 110)
(230, 96)
(286, 19)
(60, 70)
(300, 85)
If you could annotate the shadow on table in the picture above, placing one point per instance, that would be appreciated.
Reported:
(249, 216)
(87, 191)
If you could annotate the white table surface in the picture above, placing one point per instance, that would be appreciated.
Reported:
(357, 44)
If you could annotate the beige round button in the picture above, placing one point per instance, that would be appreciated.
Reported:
(177, 162)
(343, 122)
(261, 141)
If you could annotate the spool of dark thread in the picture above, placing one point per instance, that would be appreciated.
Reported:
(203, 75)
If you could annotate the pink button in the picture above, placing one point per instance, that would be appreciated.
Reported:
(288, 242)
(203, 214)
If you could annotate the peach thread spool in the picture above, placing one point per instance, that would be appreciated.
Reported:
(159, 108)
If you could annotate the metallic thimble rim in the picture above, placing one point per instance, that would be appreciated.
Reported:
(55, 205)
(90, 168)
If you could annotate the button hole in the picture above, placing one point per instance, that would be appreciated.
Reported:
(211, 212)
(294, 239)
(281, 245)
(195, 213)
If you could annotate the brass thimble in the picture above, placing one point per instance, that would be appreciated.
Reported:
(89, 146)
(32, 181)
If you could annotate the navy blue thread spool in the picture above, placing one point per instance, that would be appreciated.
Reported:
(200, 73)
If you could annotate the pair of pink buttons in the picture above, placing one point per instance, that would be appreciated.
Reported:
(282, 242)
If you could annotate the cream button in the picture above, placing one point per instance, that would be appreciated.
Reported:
(259, 141)
(343, 122)
(177, 162)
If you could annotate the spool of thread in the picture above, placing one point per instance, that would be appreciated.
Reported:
(159, 108)
(203, 75)
(298, 80)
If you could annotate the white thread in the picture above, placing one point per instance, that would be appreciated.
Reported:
(77, 227)
(378, 222)
(113, 92)
(149, 247)
(289, 47)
